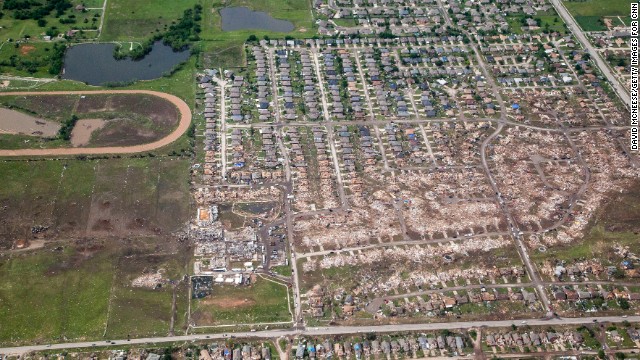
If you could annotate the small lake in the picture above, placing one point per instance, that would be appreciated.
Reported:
(94, 63)
(241, 18)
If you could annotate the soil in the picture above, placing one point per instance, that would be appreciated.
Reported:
(228, 303)
(26, 49)
(83, 129)
(15, 122)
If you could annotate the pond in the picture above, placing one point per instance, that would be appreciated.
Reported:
(240, 18)
(94, 64)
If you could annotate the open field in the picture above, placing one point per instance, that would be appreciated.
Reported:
(129, 208)
(74, 198)
(589, 13)
(138, 20)
(77, 291)
(53, 295)
(263, 301)
(137, 311)
(598, 7)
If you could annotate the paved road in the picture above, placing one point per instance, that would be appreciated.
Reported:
(223, 128)
(579, 34)
(320, 331)
(183, 125)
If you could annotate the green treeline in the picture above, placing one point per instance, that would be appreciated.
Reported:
(179, 36)
(31, 9)
(67, 127)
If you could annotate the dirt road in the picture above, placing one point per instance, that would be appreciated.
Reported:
(185, 121)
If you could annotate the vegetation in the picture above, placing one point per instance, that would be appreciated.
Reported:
(179, 36)
(589, 13)
(263, 301)
(67, 128)
(30, 9)
(33, 59)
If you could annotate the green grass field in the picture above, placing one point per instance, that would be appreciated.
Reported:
(53, 296)
(591, 23)
(47, 294)
(264, 301)
(589, 13)
(138, 20)
(74, 293)
(598, 7)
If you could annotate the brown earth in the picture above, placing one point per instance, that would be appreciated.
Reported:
(229, 303)
(26, 49)
(185, 121)
(15, 122)
(81, 133)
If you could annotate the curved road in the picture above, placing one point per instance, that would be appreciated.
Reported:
(183, 125)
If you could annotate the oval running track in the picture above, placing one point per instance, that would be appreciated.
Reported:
(183, 125)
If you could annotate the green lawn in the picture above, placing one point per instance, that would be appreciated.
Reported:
(590, 12)
(54, 295)
(264, 301)
(15, 141)
(29, 59)
(591, 23)
(598, 7)
(554, 23)
(282, 270)
(346, 22)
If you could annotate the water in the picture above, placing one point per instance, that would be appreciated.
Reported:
(94, 64)
(240, 18)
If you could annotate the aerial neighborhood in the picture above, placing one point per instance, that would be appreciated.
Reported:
(350, 179)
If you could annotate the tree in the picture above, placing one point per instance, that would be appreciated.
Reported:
(42, 22)
(620, 355)
(252, 38)
(601, 354)
(624, 304)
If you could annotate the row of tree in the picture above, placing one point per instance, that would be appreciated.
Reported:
(30, 9)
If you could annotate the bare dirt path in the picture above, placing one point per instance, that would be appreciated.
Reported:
(185, 121)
